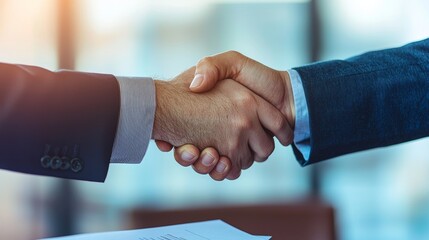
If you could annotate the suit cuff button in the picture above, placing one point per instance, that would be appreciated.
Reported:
(45, 161)
(76, 165)
(56, 162)
(65, 163)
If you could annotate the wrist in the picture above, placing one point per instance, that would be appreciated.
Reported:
(170, 114)
(289, 106)
(160, 110)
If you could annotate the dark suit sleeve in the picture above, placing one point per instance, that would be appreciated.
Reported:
(376, 99)
(59, 124)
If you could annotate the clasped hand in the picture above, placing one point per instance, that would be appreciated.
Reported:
(221, 116)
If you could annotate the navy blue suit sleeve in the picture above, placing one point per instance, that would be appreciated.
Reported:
(70, 118)
(372, 100)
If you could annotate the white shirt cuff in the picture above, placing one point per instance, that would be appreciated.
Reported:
(302, 123)
(136, 118)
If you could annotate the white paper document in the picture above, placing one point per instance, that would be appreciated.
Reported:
(209, 230)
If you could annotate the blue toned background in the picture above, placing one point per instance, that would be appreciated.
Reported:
(377, 194)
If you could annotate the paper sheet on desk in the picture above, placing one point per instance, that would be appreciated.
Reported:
(209, 230)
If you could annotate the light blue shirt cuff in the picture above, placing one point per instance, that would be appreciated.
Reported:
(302, 123)
(136, 118)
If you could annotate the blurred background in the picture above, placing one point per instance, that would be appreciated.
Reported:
(376, 194)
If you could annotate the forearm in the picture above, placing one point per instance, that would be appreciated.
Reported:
(63, 115)
(372, 100)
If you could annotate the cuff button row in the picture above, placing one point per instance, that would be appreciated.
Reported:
(63, 163)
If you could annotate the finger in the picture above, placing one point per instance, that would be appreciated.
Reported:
(234, 174)
(262, 145)
(163, 146)
(221, 170)
(209, 70)
(186, 155)
(274, 121)
(241, 158)
(241, 154)
(207, 161)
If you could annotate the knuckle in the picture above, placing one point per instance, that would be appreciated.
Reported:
(278, 124)
(246, 160)
(243, 123)
(234, 174)
(234, 53)
(246, 123)
(235, 162)
(247, 164)
(234, 145)
(245, 99)
(268, 150)
(289, 139)
(205, 61)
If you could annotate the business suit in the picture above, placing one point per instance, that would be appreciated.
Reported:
(376, 99)
(57, 123)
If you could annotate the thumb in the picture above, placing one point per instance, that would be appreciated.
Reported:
(210, 70)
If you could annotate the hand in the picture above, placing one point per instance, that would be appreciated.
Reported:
(274, 86)
(230, 119)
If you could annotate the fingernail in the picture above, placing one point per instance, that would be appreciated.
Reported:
(198, 79)
(207, 160)
(187, 156)
(220, 167)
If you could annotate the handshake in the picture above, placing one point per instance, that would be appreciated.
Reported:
(222, 115)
